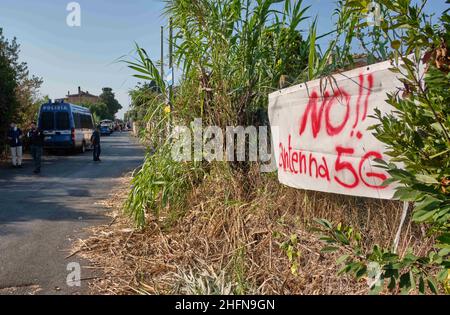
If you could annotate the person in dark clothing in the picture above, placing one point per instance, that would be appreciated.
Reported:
(36, 138)
(15, 143)
(95, 140)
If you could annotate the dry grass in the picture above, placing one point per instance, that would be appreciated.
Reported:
(229, 241)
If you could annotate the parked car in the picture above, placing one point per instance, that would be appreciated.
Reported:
(105, 130)
(106, 123)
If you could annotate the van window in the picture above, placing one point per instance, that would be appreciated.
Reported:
(86, 122)
(47, 121)
(62, 121)
(76, 118)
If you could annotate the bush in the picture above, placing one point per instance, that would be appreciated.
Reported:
(161, 183)
(417, 136)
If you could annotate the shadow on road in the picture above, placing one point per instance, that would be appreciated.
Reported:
(68, 187)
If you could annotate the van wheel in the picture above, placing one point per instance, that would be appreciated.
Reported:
(83, 147)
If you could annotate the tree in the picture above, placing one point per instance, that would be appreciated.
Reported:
(8, 85)
(29, 99)
(108, 98)
(18, 91)
(99, 110)
(143, 98)
(288, 52)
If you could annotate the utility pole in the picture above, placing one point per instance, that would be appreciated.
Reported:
(171, 62)
(162, 53)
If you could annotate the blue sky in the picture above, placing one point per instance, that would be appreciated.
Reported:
(85, 56)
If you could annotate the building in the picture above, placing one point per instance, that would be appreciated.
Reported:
(81, 97)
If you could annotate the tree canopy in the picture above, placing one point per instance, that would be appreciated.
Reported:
(19, 92)
(108, 98)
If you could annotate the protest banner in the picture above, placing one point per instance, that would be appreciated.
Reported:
(320, 132)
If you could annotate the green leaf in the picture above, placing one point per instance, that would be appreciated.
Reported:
(422, 216)
(405, 282)
(312, 50)
(426, 208)
(442, 276)
(444, 238)
(390, 257)
(392, 284)
(406, 194)
(389, 181)
(325, 223)
(444, 252)
(344, 269)
(432, 285)
(439, 154)
(426, 179)
(329, 249)
(342, 259)
(327, 239)
(342, 238)
(361, 272)
(421, 285)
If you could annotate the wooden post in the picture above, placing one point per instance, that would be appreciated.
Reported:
(399, 231)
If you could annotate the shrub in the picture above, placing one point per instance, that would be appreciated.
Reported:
(417, 136)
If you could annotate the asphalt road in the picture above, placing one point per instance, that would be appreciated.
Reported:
(40, 215)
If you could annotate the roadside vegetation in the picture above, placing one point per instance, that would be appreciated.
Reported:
(226, 228)
(19, 92)
(418, 136)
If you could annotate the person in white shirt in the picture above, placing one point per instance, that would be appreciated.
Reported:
(15, 143)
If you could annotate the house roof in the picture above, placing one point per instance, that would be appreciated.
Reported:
(82, 93)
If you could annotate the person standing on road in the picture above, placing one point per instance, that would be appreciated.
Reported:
(15, 143)
(36, 137)
(95, 140)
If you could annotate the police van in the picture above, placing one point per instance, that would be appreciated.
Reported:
(66, 126)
